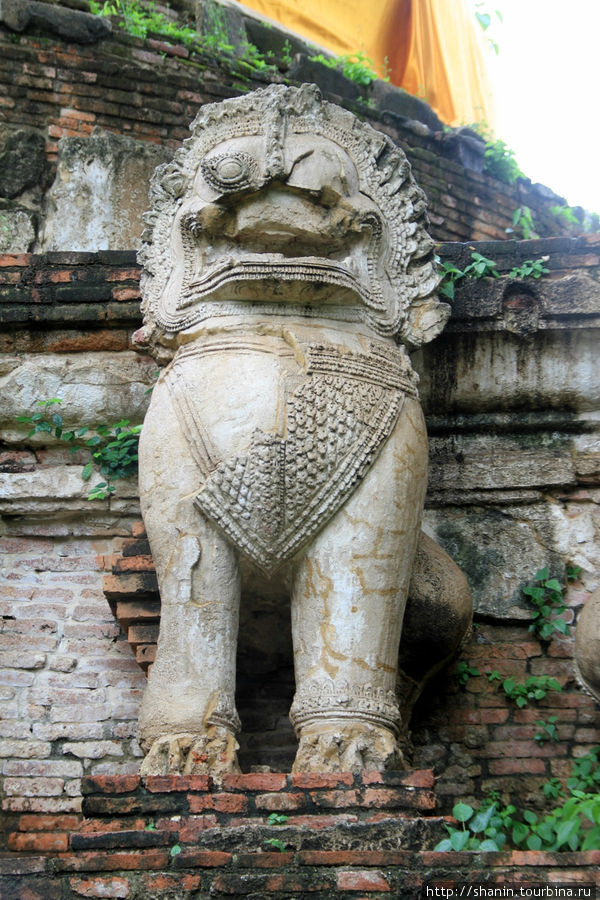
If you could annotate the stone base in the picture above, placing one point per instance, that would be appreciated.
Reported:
(180, 837)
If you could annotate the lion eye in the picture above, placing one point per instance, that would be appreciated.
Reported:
(230, 172)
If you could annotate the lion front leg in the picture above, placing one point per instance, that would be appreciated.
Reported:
(347, 608)
(187, 720)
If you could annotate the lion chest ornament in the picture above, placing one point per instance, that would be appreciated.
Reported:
(285, 265)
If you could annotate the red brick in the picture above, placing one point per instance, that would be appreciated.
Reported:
(335, 799)
(255, 781)
(520, 766)
(132, 274)
(15, 259)
(418, 778)
(87, 343)
(38, 841)
(266, 860)
(168, 783)
(77, 114)
(315, 780)
(205, 859)
(111, 861)
(100, 887)
(138, 530)
(132, 564)
(362, 881)
(280, 802)
(48, 823)
(123, 294)
(110, 784)
(163, 883)
(224, 803)
(512, 749)
(192, 828)
(95, 826)
(398, 799)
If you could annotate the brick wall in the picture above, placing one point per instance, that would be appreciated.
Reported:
(368, 836)
(151, 91)
(71, 683)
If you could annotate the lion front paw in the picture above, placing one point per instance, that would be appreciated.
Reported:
(347, 747)
(213, 753)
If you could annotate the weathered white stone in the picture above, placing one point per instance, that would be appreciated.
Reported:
(100, 192)
(95, 388)
(17, 227)
(287, 251)
(481, 372)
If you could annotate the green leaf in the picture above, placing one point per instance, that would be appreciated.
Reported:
(530, 817)
(86, 472)
(458, 839)
(520, 832)
(534, 842)
(541, 574)
(489, 844)
(592, 840)
(482, 819)
(462, 812)
(546, 831)
(175, 850)
(554, 585)
(565, 830)
(443, 846)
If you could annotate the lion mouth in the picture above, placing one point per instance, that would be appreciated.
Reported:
(329, 256)
(253, 275)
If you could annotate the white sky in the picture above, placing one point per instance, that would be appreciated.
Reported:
(547, 80)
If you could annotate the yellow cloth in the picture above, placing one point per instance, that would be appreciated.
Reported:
(432, 48)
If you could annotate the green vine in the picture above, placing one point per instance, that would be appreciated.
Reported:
(530, 268)
(113, 449)
(464, 671)
(572, 825)
(546, 595)
(522, 223)
(533, 688)
(479, 267)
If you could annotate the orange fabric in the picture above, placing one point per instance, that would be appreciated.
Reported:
(434, 48)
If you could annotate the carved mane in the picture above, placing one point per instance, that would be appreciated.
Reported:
(410, 310)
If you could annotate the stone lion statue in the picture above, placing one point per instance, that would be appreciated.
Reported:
(286, 268)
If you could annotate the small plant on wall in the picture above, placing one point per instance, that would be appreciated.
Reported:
(113, 449)
(572, 825)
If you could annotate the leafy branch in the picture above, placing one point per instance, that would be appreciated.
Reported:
(533, 689)
(479, 267)
(113, 448)
(572, 825)
(546, 595)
